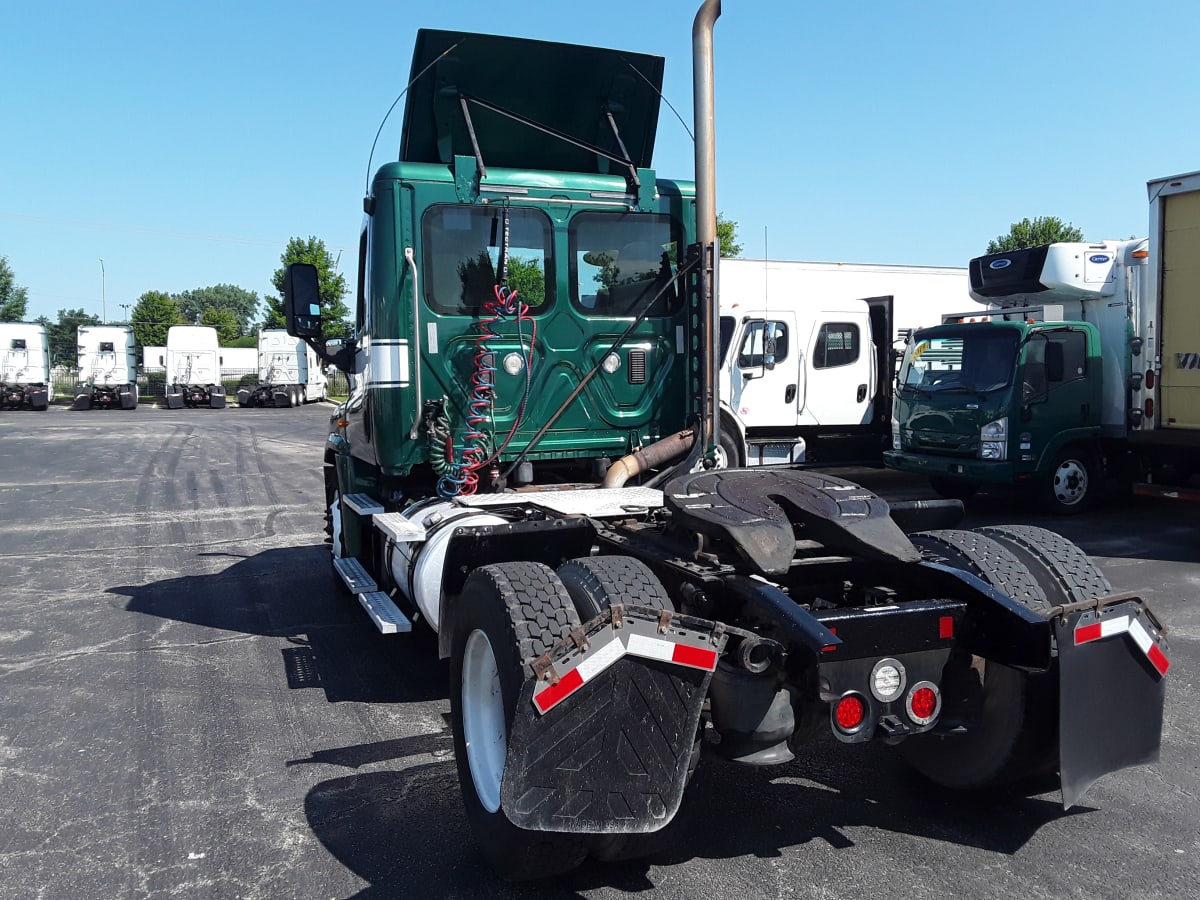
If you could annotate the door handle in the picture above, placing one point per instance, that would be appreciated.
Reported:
(862, 393)
(789, 393)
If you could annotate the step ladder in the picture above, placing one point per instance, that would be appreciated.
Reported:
(379, 606)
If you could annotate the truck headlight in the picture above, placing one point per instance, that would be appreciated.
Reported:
(895, 433)
(993, 440)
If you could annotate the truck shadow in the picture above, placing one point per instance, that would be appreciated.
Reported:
(405, 831)
(289, 593)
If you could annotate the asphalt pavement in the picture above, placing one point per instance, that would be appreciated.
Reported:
(189, 707)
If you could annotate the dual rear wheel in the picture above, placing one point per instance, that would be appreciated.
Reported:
(1011, 716)
(508, 615)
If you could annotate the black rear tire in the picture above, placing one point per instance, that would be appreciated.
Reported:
(1066, 575)
(507, 615)
(594, 583)
(1007, 739)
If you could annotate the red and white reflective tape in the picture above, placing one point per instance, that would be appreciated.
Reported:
(600, 656)
(669, 651)
(1132, 626)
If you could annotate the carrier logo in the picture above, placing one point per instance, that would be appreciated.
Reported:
(1000, 264)
(1098, 258)
(1187, 360)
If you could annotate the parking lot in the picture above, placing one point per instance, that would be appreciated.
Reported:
(189, 709)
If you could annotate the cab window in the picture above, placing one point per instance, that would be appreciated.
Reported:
(620, 262)
(765, 343)
(837, 345)
(462, 257)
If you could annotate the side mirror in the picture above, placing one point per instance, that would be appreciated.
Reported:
(302, 300)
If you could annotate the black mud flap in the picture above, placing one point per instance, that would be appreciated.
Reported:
(604, 732)
(1112, 667)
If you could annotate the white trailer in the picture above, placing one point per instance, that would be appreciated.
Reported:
(193, 362)
(807, 353)
(107, 367)
(24, 366)
(289, 372)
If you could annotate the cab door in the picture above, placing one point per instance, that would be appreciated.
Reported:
(841, 371)
(766, 378)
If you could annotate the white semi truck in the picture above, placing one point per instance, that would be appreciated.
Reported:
(193, 362)
(107, 368)
(24, 366)
(808, 358)
(289, 372)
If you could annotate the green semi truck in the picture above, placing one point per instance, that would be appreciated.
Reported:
(527, 472)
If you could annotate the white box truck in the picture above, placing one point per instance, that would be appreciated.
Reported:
(24, 366)
(1086, 368)
(107, 368)
(193, 368)
(289, 372)
(808, 358)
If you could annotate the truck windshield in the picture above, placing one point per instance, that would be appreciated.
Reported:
(977, 361)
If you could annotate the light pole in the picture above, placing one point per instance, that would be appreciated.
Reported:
(103, 295)
(125, 306)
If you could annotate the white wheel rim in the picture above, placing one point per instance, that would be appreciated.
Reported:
(484, 732)
(1070, 482)
(335, 522)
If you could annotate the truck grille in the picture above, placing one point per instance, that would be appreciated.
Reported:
(943, 444)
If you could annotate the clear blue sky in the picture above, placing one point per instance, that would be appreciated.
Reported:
(186, 143)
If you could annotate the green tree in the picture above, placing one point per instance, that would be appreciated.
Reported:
(526, 277)
(1034, 233)
(727, 236)
(224, 321)
(334, 313)
(13, 298)
(63, 335)
(153, 314)
(240, 303)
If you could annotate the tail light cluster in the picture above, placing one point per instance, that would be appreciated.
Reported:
(888, 683)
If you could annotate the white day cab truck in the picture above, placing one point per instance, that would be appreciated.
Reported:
(107, 368)
(1083, 368)
(289, 373)
(193, 363)
(24, 366)
(528, 467)
(809, 352)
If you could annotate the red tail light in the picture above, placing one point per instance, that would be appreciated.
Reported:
(924, 702)
(1149, 378)
(850, 712)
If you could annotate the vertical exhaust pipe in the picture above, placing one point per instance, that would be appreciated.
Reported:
(704, 106)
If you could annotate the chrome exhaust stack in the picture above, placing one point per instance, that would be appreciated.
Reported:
(704, 106)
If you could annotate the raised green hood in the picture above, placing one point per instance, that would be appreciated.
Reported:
(563, 87)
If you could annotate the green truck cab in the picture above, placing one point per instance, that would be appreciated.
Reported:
(523, 313)
(1001, 403)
